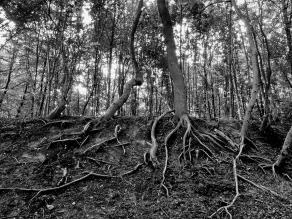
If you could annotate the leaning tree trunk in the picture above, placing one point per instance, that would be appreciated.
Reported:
(256, 81)
(180, 96)
(68, 80)
(137, 81)
(286, 151)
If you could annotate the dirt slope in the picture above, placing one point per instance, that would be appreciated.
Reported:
(50, 170)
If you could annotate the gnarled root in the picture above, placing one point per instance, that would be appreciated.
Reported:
(152, 152)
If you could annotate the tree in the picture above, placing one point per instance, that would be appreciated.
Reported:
(256, 80)
(285, 153)
(10, 71)
(137, 80)
(179, 88)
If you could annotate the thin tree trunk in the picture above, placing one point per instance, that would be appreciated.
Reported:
(10, 70)
(35, 79)
(46, 69)
(255, 87)
(287, 25)
(67, 84)
(22, 101)
(265, 123)
(137, 81)
(238, 101)
(94, 81)
(230, 63)
(111, 46)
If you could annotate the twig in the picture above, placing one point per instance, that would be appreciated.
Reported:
(82, 143)
(100, 161)
(164, 212)
(98, 145)
(119, 145)
(252, 143)
(254, 157)
(133, 170)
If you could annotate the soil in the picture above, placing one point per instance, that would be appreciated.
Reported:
(103, 174)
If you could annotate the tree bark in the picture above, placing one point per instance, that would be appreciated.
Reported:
(67, 84)
(137, 81)
(22, 101)
(287, 25)
(255, 86)
(180, 97)
(111, 47)
(265, 123)
(10, 70)
(285, 151)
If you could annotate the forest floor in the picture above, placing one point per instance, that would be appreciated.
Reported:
(49, 171)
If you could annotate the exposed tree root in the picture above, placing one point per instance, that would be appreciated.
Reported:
(190, 136)
(271, 167)
(66, 185)
(255, 158)
(97, 146)
(57, 188)
(262, 187)
(154, 146)
(98, 161)
(225, 208)
(238, 176)
(119, 145)
(137, 167)
(230, 142)
(59, 123)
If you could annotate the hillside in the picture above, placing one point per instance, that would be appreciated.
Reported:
(50, 170)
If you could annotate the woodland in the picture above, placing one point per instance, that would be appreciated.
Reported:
(146, 109)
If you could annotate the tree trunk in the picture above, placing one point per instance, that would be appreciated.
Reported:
(22, 101)
(95, 80)
(137, 81)
(180, 97)
(265, 123)
(255, 87)
(287, 25)
(67, 84)
(10, 70)
(111, 45)
(286, 150)
(230, 63)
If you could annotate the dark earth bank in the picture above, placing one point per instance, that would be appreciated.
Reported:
(50, 169)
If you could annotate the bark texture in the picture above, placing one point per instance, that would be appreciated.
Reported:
(256, 80)
(179, 88)
(286, 150)
(67, 84)
(137, 81)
